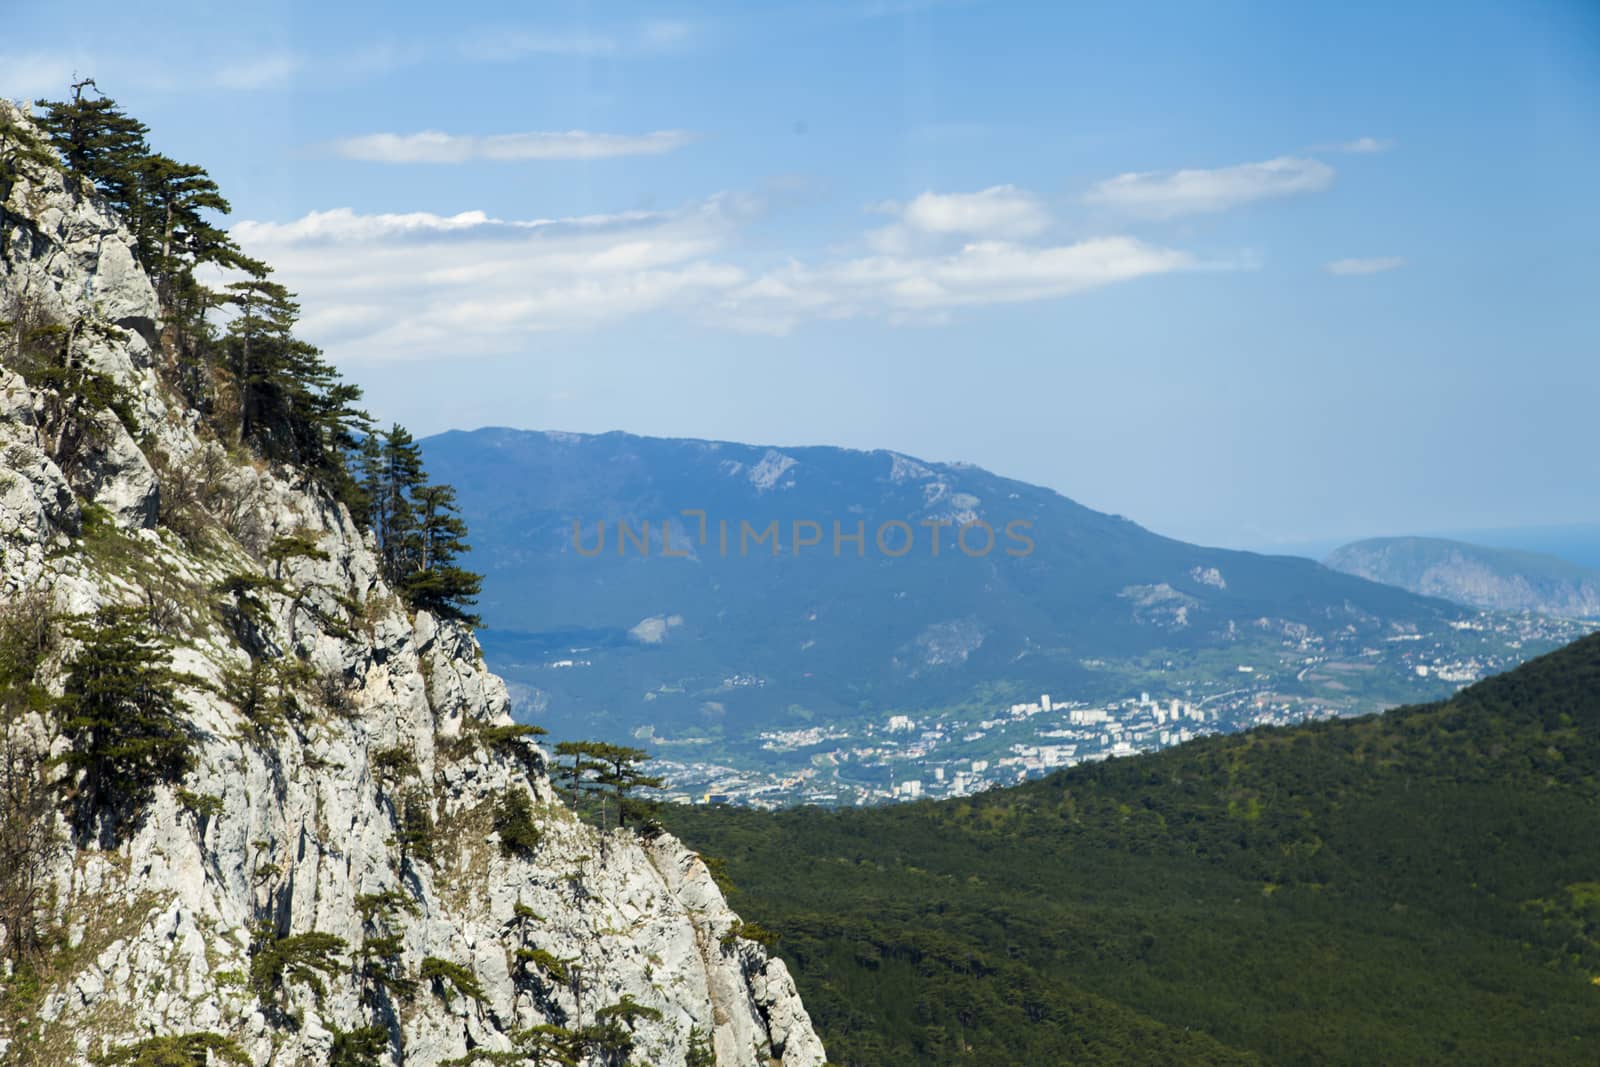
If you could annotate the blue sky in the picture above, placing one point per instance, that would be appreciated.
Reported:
(1249, 274)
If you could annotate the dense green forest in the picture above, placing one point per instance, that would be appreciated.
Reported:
(1417, 887)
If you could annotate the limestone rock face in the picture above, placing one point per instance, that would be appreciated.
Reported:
(75, 257)
(311, 817)
(114, 474)
(37, 508)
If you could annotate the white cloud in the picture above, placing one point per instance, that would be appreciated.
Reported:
(31, 75)
(389, 286)
(1372, 265)
(407, 285)
(1168, 194)
(1000, 211)
(433, 146)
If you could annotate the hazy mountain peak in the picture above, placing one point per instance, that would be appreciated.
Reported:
(1491, 578)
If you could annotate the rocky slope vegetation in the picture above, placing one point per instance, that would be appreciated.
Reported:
(362, 861)
(1494, 579)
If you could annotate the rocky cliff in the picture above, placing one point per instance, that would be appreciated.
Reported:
(357, 804)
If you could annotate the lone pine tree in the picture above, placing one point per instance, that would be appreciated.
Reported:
(120, 714)
(419, 529)
(98, 141)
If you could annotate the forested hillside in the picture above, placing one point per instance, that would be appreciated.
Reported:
(1417, 887)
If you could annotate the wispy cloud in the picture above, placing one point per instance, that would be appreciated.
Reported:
(25, 75)
(36, 74)
(389, 286)
(1360, 146)
(380, 57)
(925, 289)
(280, 69)
(1372, 265)
(1169, 194)
(259, 72)
(640, 38)
(433, 146)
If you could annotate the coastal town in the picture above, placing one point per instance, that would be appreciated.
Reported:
(906, 756)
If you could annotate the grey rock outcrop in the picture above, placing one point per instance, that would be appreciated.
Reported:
(306, 820)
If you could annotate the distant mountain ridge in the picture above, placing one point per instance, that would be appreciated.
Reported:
(725, 642)
(1494, 579)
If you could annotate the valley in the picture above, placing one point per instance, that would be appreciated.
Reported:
(809, 668)
(952, 752)
(1413, 887)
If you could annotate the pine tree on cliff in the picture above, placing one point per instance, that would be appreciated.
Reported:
(172, 232)
(98, 141)
(121, 717)
(599, 766)
(394, 470)
(290, 404)
(168, 206)
(437, 584)
(418, 526)
(261, 386)
(584, 761)
(323, 421)
(163, 201)
(254, 344)
(621, 771)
